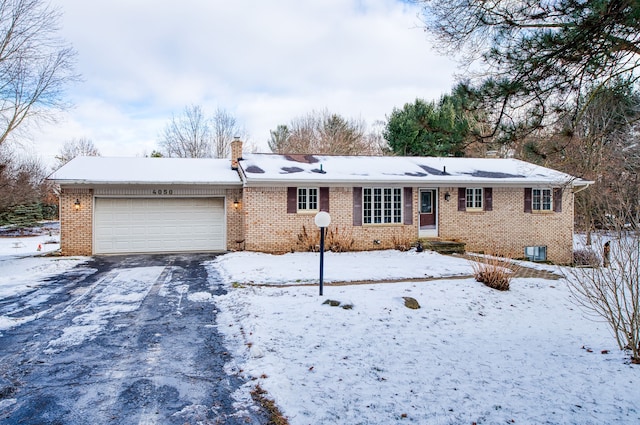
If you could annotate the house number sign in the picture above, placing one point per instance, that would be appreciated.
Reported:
(161, 192)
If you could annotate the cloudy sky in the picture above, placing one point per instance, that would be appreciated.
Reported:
(266, 62)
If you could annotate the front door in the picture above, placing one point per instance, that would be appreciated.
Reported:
(428, 212)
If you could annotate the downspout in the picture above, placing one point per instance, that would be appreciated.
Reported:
(583, 187)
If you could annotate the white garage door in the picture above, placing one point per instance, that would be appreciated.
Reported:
(129, 225)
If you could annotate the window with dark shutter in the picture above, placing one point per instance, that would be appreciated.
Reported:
(462, 199)
(408, 206)
(308, 199)
(324, 199)
(357, 206)
(527, 199)
(382, 205)
(488, 199)
(292, 200)
(557, 199)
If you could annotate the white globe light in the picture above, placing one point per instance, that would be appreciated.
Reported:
(322, 219)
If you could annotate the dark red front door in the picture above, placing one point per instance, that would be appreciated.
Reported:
(427, 208)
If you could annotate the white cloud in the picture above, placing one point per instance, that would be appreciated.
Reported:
(267, 62)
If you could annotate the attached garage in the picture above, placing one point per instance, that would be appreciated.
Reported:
(143, 225)
(149, 205)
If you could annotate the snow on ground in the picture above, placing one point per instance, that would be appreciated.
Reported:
(119, 291)
(23, 274)
(23, 268)
(304, 267)
(469, 354)
(11, 247)
(22, 265)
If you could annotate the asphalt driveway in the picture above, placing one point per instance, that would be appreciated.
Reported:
(121, 340)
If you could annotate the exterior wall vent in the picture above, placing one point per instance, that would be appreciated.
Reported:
(536, 253)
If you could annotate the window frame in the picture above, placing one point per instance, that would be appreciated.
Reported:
(305, 201)
(545, 204)
(382, 205)
(474, 199)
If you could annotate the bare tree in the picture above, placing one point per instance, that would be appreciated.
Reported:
(376, 140)
(302, 135)
(76, 147)
(188, 135)
(599, 146)
(225, 128)
(35, 64)
(324, 133)
(612, 293)
(22, 179)
(194, 135)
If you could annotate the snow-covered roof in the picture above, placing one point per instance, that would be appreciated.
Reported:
(272, 169)
(109, 170)
(261, 169)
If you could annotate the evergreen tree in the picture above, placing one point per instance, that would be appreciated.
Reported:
(537, 58)
(442, 128)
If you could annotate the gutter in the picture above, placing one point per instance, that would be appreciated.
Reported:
(583, 187)
(144, 183)
(425, 183)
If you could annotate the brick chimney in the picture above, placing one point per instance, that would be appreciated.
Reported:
(236, 152)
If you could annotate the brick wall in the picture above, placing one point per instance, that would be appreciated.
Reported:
(507, 229)
(76, 226)
(269, 228)
(235, 220)
(261, 223)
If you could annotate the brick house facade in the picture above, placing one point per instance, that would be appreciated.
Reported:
(502, 206)
(268, 202)
(505, 230)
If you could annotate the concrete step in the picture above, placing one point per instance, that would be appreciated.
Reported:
(443, 247)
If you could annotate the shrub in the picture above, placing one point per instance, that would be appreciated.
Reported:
(21, 216)
(585, 257)
(613, 293)
(338, 240)
(335, 240)
(495, 272)
(401, 243)
(309, 241)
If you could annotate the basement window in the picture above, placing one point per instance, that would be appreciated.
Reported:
(536, 253)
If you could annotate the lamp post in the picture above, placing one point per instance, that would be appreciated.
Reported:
(322, 220)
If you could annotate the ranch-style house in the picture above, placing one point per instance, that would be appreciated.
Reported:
(267, 203)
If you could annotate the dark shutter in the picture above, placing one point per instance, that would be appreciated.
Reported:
(357, 206)
(408, 206)
(462, 199)
(292, 200)
(488, 199)
(324, 199)
(557, 199)
(527, 199)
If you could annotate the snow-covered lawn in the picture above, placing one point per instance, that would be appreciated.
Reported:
(23, 268)
(300, 268)
(469, 354)
(23, 265)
